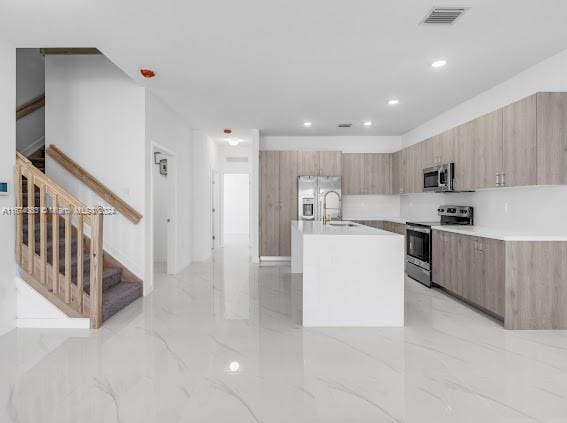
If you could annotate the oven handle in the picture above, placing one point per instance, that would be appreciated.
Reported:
(418, 229)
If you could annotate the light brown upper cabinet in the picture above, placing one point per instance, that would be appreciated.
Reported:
(429, 151)
(308, 163)
(367, 174)
(287, 199)
(464, 158)
(519, 143)
(270, 203)
(414, 168)
(551, 138)
(353, 174)
(403, 170)
(377, 174)
(330, 163)
(396, 173)
(486, 137)
(322, 163)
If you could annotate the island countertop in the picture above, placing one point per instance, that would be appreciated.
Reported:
(306, 227)
(353, 275)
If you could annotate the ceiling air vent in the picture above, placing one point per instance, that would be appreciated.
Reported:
(444, 15)
(344, 125)
(237, 159)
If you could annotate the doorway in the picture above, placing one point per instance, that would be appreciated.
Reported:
(164, 206)
(236, 208)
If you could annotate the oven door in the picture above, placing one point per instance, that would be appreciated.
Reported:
(418, 251)
(431, 179)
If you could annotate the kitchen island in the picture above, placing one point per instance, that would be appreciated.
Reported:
(353, 275)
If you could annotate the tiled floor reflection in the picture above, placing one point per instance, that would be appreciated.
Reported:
(223, 342)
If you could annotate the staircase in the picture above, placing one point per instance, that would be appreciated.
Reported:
(61, 238)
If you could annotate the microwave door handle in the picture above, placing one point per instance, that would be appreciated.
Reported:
(439, 177)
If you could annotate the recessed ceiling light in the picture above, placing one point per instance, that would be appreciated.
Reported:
(307, 124)
(393, 102)
(367, 123)
(439, 63)
(233, 142)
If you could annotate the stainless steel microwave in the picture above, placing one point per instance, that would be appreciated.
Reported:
(439, 178)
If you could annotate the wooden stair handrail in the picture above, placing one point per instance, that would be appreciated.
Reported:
(53, 186)
(30, 107)
(93, 183)
(47, 278)
(69, 51)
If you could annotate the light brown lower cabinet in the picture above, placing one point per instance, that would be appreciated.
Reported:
(378, 224)
(521, 282)
(470, 267)
(397, 228)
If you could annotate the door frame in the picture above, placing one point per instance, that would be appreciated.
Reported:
(172, 170)
(216, 209)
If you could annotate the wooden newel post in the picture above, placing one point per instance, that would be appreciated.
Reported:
(96, 269)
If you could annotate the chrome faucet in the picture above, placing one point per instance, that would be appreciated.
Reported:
(326, 218)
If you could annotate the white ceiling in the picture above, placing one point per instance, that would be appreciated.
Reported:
(271, 64)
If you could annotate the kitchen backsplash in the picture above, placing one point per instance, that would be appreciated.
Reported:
(541, 208)
(371, 206)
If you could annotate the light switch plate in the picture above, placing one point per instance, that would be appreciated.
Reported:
(4, 188)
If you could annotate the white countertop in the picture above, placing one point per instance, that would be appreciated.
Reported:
(502, 234)
(318, 228)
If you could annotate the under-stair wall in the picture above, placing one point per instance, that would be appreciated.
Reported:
(96, 115)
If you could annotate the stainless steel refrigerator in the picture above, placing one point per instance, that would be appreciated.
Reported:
(315, 193)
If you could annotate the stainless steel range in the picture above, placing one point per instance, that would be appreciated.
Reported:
(418, 240)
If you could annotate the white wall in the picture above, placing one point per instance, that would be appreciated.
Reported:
(526, 208)
(7, 162)
(167, 129)
(204, 160)
(96, 115)
(30, 130)
(346, 144)
(236, 205)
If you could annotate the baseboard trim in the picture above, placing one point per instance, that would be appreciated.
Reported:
(275, 258)
(33, 147)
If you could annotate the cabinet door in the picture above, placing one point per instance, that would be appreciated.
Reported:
(414, 173)
(441, 257)
(445, 146)
(404, 171)
(377, 172)
(551, 138)
(308, 163)
(287, 199)
(269, 203)
(472, 269)
(460, 250)
(396, 183)
(519, 142)
(353, 174)
(464, 157)
(492, 275)
(487, 142)
(430, 152)
(330, 163)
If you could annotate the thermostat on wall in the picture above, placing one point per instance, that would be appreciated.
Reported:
(4, 188)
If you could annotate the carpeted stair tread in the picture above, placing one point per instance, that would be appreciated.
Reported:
(118, 297)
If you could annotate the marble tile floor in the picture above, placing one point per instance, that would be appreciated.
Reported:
(222, 342)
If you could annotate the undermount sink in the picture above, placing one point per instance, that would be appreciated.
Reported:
(345, 224)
